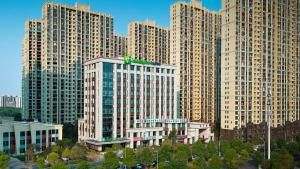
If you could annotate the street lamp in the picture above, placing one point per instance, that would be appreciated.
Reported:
(269, 123)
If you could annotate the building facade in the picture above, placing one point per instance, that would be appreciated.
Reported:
(260, 57)
(132, 103)
(16, 136)
(70, 36)
(149, 41)
(11, 101)
(31, 74)
(120, 45)
(195, 41)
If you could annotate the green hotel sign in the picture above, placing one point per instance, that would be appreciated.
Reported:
(128, 60)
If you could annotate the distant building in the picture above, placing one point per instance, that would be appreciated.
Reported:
(149, 41)
(133, 102)
(120, 45)
(11, 101)
(16, 136)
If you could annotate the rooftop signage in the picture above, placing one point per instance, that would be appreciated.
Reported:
(128, 60)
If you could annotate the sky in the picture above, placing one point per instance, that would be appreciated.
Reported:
(13, 15)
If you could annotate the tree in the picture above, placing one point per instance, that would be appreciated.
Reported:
(184, 148)
(57, 149)
(198, 149)
(174, 164)
(293, 148)
(78, 152)
(4, 160)
(215, 162)
(224, 145)
(66, 153)
(59, 165)
(237, 144)
(280, 143)
(258, 158)
(165, 152)
(231, 159)
(199, 163)
(110, 161)
(173, 136)
(282, 160)
(244, 156)
(83, 165)
(52, 158)
(130, 158)
(30, 149)
(40, 161)
(181, 156)
(146, 156)
(211, 148)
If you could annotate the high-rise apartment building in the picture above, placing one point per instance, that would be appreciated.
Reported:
(71, 35)
(54, 50)
(120, 45)
(260, 57)
(149, 41)
(31, 78)
(195, 41)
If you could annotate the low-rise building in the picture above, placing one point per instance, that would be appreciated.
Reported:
(16, 136)
(134, 103)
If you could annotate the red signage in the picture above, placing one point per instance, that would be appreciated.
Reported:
(138, 139)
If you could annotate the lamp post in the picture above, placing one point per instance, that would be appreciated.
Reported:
(269, 123)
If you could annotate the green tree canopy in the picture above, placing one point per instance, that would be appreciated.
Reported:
(244, 155)
(280, 143)
(293, 148)
(199, 149)
(211, 148)
(258, 158)
(146, 156)
(282, 160)
(231, 159)
(66, 153)
(129, 158)
(78, 152)
(84, 165)
(110, 161)
(173, 136)
(40, 161)
(4, 160)
(215, 162)
(179, 160)
(199, 163)
(52, 158)
(59, 165)
(224, 145)
(165, 152)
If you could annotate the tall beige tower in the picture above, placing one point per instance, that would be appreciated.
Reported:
(120, 45)
(149, 41)
(195, 41)
(260, 53)
(71, 35)
(31, 73)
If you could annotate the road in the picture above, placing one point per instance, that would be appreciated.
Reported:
(17, 164)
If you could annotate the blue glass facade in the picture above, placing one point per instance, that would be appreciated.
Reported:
(107, 100)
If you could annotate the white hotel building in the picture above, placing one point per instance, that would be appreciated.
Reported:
(134, 104)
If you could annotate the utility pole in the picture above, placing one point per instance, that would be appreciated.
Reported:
(269, 123)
